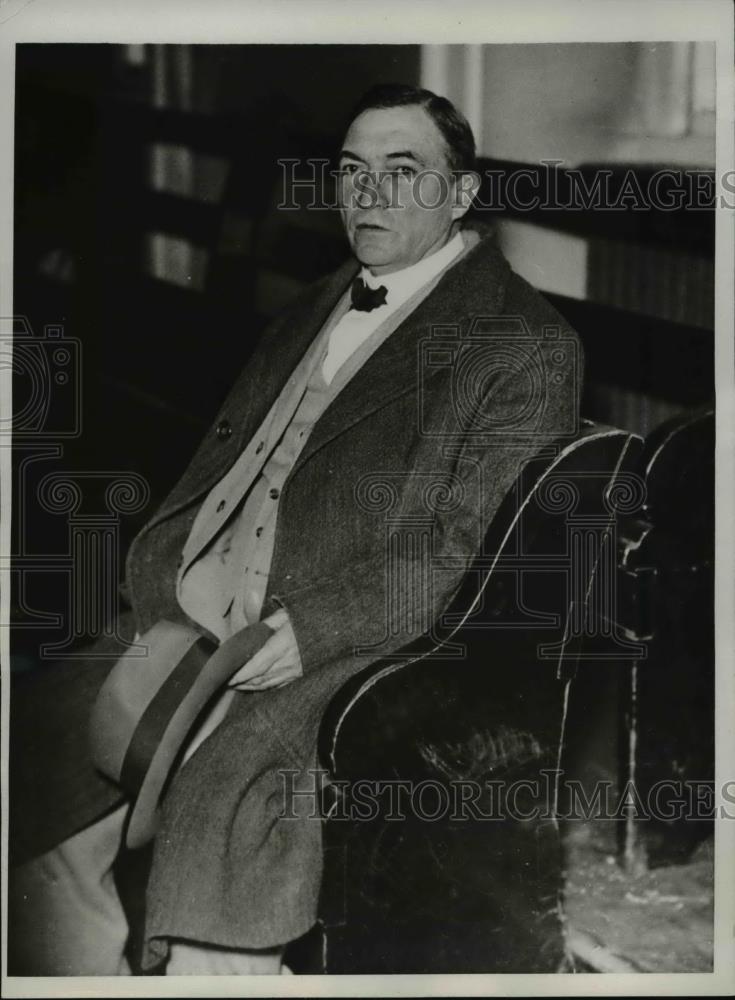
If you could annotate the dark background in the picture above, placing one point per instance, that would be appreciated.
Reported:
(158, 357)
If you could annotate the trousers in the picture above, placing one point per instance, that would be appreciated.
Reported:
(65, 917)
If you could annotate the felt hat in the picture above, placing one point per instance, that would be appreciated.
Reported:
(149, 703)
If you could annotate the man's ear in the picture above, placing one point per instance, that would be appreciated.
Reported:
(466, 186)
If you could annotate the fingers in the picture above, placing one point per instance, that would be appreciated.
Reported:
(282, 671)
(276, 646)
(277, 619)
(276, 663)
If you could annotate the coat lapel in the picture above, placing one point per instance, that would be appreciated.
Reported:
(283, 345)
(282, 350)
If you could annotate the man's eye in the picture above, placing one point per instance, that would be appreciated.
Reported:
(408, 172)
(349, 169)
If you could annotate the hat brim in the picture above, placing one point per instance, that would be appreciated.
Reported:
(181, 713)
(149, 704)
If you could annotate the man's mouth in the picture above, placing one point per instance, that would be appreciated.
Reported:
(371, 226)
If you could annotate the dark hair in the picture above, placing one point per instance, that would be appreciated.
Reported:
(452, 124)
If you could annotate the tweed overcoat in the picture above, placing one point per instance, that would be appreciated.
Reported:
(431, 431)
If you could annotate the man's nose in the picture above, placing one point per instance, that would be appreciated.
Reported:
(386, 188)
(373, 189)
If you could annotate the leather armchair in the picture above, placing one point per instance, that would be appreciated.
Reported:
(442, 850)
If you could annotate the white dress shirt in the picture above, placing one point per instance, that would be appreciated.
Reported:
(356, 326)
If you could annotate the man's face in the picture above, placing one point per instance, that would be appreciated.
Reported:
(397, 195)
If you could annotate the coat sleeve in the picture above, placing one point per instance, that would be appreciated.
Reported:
(372, 604)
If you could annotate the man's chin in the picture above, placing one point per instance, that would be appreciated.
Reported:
(372, 257)
(373, 260)
(374, 249)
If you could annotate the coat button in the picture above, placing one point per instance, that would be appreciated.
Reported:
(224, 430)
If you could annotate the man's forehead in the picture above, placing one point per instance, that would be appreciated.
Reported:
(390, 130)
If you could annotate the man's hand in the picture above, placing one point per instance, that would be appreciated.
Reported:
(277, 663)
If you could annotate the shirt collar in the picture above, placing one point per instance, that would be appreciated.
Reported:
(402, 284)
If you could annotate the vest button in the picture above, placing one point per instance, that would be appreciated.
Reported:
(258, 532)
(224, 430)
(220, 506)
(273, 493)
(259, 448)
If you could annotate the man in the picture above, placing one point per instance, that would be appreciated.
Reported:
(280, 517)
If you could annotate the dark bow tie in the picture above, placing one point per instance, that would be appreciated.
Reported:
(365, 298)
